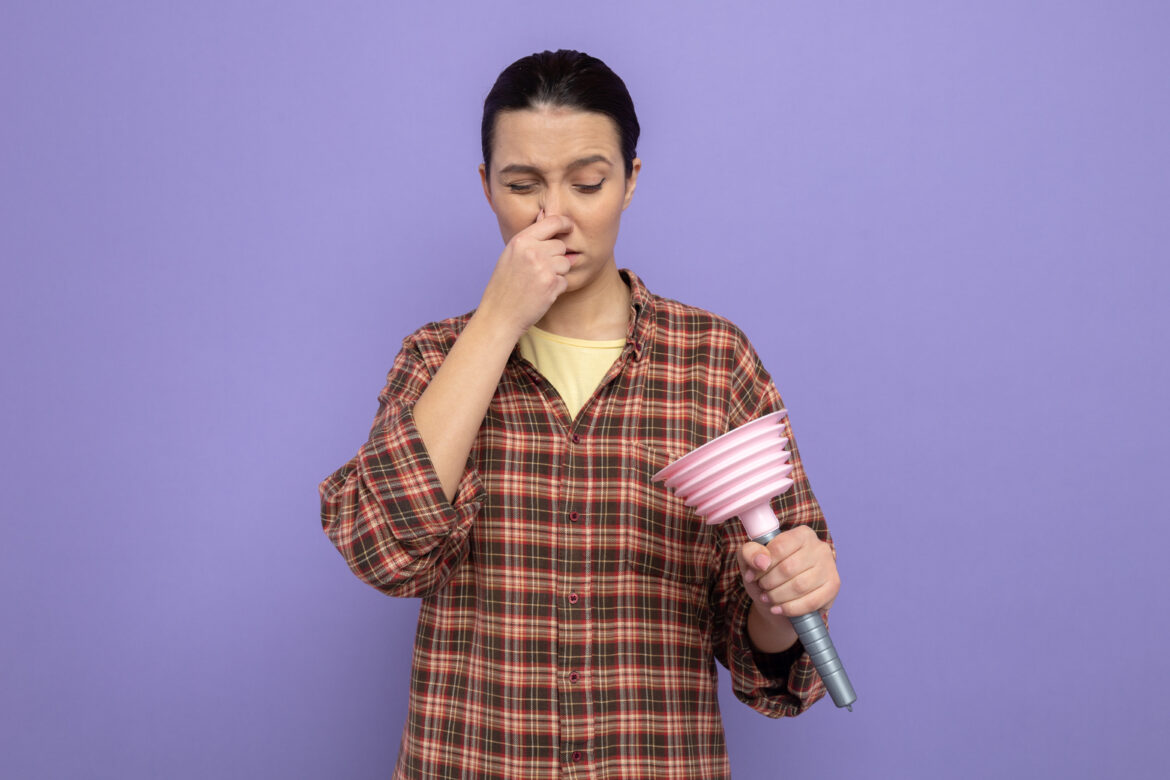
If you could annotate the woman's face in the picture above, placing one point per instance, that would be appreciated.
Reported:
(567, 162)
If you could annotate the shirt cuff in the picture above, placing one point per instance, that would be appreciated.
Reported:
(775, 666)
(778, 685)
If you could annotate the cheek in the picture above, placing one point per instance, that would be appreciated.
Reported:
(512, 220)
(602, 219)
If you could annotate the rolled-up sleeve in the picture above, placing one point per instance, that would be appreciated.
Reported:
(776, 697)
(385, 509)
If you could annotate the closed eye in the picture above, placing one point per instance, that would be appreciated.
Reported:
(590, 187)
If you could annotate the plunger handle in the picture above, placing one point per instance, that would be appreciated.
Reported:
(814, 636)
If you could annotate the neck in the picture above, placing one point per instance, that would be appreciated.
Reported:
(599, 310)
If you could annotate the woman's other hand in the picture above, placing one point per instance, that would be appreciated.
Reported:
(794, 575)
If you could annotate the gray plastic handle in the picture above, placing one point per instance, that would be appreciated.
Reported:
(815, 638)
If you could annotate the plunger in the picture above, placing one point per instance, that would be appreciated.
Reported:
(737, 474)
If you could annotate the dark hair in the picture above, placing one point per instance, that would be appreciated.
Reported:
(562, 79)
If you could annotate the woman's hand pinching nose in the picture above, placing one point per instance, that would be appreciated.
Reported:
(529, 276)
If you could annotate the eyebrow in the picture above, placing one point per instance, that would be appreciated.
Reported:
(581, 163)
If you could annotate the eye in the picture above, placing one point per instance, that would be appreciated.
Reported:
(520, 187)
(590, 187)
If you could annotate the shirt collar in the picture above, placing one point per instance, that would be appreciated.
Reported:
(641, 328)
(640, 331)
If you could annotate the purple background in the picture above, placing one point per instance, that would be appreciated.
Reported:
(943, 225)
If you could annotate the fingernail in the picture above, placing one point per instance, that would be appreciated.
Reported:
(750, 577)
(764, 598)
(762, 561)
(777, 610)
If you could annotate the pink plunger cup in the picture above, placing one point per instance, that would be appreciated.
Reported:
(737, 474)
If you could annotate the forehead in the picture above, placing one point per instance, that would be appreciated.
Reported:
(551, 137)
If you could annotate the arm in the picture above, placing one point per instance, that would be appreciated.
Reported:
(528, 277)
(749, 590)
(450, 411)
(748, 636)
(400, 511)
(385, 510)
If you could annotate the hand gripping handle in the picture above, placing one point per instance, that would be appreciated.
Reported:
(815, 639)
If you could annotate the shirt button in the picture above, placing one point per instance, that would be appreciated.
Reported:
(574, 516)
(577, 756)
(574, 677)
(573, 598)
(576, 439)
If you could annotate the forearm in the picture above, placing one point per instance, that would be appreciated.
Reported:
(450, 411)
(769, 633)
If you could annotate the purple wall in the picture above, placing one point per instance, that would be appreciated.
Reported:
(944, 225)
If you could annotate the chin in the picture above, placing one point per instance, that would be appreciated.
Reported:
(582, 273)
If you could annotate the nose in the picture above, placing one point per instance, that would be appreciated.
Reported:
(552, 202)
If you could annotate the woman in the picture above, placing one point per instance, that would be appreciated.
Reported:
(572, 610)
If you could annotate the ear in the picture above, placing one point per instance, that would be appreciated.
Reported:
(487, 187)
(632, 182)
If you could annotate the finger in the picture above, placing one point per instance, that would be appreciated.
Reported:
(754, 560)
(560, 284)
(821, 598)
(795, 587)
(560, 265)
(790, 541)
(547, 226)
(816, 556)
(786, 572)
(793, 553)
(554, 247)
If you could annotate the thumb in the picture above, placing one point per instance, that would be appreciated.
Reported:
(755, 555)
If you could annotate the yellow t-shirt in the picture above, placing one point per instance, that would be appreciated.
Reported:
(573, 366)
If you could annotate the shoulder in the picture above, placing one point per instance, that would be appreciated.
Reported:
(686, 326)
(689, 328)
(711, 354)
(683, 320)
(434, 340)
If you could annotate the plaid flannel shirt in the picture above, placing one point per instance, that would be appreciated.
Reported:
(572, 610)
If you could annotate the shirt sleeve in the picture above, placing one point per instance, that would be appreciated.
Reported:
(385, 509)
(776, 690)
